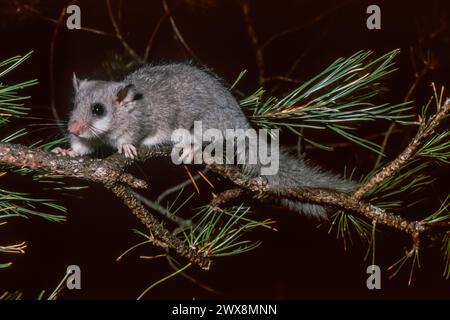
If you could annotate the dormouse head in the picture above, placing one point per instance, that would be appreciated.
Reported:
(97, 104)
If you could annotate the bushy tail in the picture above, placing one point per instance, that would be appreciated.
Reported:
(298, 173)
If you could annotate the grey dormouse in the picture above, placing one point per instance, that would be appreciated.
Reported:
(150, 103)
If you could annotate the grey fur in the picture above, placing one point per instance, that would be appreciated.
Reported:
(150, 103)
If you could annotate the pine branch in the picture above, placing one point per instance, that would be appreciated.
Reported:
(218, 231)
(162, 234)
(17, 204)
(95, 170)
(225, 197)
(334, 100)
(108, 172)
(426, 130)
(260, 187)
(408, 180)
(257, 186)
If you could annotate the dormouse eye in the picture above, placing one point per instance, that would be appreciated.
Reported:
(98, 109)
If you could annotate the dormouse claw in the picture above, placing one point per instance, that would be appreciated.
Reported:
(128, 150)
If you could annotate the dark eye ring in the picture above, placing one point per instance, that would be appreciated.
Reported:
(98, 109)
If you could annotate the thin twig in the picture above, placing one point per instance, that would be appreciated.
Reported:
(157, 229)
(310, 22)
(56, 21)
(426, 129)
(386, 137)
(391, 128)
(259, 54)
(177, 32)
(282, 78)
(51, 58)
(119, 35)
(154, 33)
(287, 77)
(183, 223)
(225, 197)
(120, 13)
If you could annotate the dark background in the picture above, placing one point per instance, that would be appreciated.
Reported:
(297, 262)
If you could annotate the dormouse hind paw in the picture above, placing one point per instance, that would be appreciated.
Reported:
(128, 150)
(65, 152)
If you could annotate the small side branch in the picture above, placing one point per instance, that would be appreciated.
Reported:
(108, 172)
(225, 197)
(260, 187)
(156, 228)
(259, 54)
(426, 129)
(391, 128)
(177, 32)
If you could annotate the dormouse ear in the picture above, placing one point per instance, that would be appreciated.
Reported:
(126, 93)
(76, 82)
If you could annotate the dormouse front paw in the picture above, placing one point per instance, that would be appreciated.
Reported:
(65, 152)
(128, 150)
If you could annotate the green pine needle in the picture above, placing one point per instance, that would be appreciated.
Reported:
(442, 214)
(218, 232)
(14, 204)
(11, 104)
(49, 145)
(5, 265)
(410, 180)
(345, 224)
(239, 77)
(437, 148)
(338, 95)
(173, 274)
(15, 135)
(410, 256)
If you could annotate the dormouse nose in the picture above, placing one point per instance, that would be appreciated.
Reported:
(76, 127)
